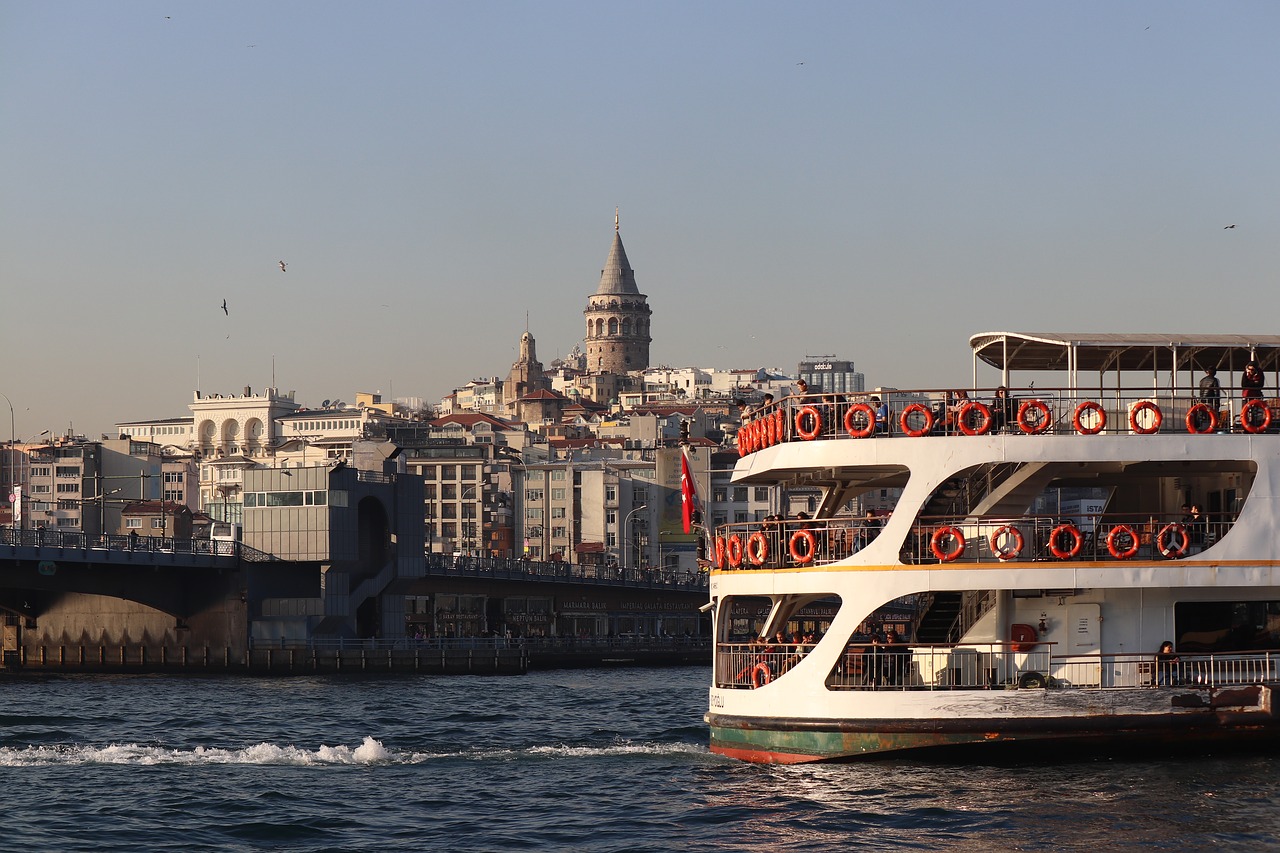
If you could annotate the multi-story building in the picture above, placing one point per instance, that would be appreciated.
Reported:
(830, 375)
(77, 485)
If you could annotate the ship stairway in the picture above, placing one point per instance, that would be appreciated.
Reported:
(1012, 487)
(957, 495)
(938, 623)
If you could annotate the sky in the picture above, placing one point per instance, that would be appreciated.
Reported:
(873, 181)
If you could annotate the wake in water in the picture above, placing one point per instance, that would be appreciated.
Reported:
(369, 752)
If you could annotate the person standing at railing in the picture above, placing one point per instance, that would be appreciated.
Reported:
(870, 529)
(1001, 410)
(1168, 667)
(1251, 383)
(1211, 389)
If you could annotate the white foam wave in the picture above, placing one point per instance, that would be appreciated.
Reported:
(371, 751)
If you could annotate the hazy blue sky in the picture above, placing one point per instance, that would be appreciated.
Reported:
(875, 181)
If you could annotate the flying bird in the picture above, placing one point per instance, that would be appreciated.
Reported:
(282, 269)
(1225, 227)
(224, 308)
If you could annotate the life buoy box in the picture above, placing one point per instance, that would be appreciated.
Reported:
(1006, 542)
(814, 417)
(982, 427)
(1115, 542)
(761, 674)
(1022, 638)
(1042, 417)
(1201, 415)
(868, 420)
(1157, 417)
(1097, 416)
(1246, 417)
(914, 409)
(733, 550)
(1173, 540)
(957, 544)
(1061, 533)
(757, 548)
(805, 555)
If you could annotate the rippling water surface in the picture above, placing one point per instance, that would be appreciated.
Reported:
(596, 760)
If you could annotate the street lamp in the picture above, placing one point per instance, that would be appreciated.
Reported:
(631, 539)
(468, 525)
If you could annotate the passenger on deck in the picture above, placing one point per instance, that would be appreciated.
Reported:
(1197, 525)
(892, 658)
(1001, 410)
(1168, 667)
(1251, 382)
(1211, 389)
(956, 403)
(882, 416)
(870, 529)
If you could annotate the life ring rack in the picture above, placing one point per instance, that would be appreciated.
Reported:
(957, 540)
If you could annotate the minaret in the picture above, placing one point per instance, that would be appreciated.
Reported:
(617, 316)
(526, 374)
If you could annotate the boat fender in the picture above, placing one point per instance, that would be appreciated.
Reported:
(983, 425)
(1023, 638)
(1173, 540)
(1099, 418)
(1012, 540)
(1246, 418)
(802, 555)
(733, 550)
(1042, 417)
(868, 420)
(916, 408)
(761, 675)
(1055, 543)
(814, 417)
(757, 548)
(1115, 537)
(1197, 415)
(957, 543)
(1156, 417)
(1032, 681)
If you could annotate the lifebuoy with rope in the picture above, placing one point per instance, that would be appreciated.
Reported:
(1157, 417)
(1043, 417)
(757, 548)
(916, 408)
(1055, 546)
(1173, 540)
(720, 552)
(1247, 421)
(957, 541)
(1012, 537)
(761, 674)
(1197, 415)
(810, 546)
(733, 550)
(850, 420)
(984, 418)
(1113, 542)
(1098, 418)
(815, 417)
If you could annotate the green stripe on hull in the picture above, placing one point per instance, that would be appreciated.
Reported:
(796, 747)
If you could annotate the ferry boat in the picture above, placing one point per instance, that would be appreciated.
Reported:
(1053, 588)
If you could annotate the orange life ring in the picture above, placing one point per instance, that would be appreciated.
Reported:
(1042, 424)
(1010, 552)
(1245, 422)
(928, 420)
(1197, 410)
(808, 434)
(811, 545)
(984, 418)
(733, 550)
(720, 552)
(1022, 638)
(1076, 545)
(1115, 534)
(1169, 548)
(1156, 417)
(761, 675)
(757, 548)
(957, 538)
(866, 411)
(1089, 407)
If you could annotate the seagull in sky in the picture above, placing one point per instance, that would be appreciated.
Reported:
(282, 269)
(1225, 227)
(224, 308)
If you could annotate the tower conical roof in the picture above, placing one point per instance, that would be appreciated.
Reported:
(617, 277)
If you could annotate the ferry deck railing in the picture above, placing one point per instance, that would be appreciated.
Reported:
(987, 666)
(1031, 411)
(1108, 537)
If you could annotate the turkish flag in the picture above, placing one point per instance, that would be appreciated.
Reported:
(688, 493)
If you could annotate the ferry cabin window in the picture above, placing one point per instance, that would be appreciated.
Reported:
(1227, 626)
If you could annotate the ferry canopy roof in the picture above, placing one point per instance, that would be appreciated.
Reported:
(1102, 352)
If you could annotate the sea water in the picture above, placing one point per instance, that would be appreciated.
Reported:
(581, 760)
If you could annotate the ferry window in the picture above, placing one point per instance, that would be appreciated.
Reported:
(1226, 626)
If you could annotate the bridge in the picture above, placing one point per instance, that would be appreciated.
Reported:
(45, 546)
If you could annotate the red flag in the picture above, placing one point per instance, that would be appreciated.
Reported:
(688, 493)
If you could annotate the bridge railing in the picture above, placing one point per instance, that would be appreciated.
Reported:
(26, 537)
(519, 569)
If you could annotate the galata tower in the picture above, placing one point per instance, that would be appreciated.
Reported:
(617, 316)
